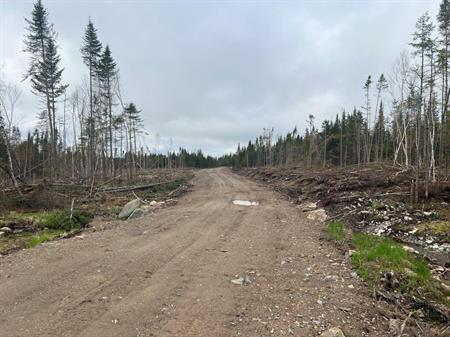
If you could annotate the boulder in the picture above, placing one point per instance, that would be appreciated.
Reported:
(129, 208)
(6, 230)
(333, 332)
(137, 213)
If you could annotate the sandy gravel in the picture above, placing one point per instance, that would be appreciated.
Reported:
(168, 274)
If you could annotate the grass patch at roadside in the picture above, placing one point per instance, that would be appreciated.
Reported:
(336, 231)
(30, 229)
(41, 237)
(376, 256)
(28, 239)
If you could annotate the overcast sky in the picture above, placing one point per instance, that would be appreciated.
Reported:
(211, 74)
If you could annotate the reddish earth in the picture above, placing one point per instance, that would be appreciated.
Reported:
(168, 274)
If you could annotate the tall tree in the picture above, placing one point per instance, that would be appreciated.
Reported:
(90, 51)
(106, 73)
(367, 136)
(134, 124)
(44, 71)
(443, 19)
(422, 43)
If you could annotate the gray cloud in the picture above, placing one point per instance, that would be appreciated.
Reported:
(212, 74)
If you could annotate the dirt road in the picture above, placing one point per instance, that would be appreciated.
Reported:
(168, 274)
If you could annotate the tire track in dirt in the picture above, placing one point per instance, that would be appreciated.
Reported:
(168, 274)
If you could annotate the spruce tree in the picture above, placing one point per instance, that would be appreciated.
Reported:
(443, 19)
(134, 121)
(106, 72)
(90, 51)
(44, 71)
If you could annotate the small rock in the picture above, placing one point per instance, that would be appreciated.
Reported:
(410, 249)
(318, 214)
(6, 230)
(153, 203)
(394, 325)
(137, 213)
(129, 208)
(413, 231)
(354, 275)
(243, 280)
(333, 332)
(308, 206)
(407, 218)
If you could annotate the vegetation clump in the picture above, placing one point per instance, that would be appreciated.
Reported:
(32, 229)
(438, 228)
(376, 255)
(336, 231)
(383, 262)
(63, 220)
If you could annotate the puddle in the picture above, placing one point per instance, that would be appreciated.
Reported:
(245, 203)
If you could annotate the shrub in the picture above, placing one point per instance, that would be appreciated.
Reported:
(62, 220)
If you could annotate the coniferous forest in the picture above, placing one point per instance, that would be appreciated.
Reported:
(91, 130)
(84, 131)
(404, 121)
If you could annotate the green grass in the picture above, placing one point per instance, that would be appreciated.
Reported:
(376, 255)
(28, 239)
(115, 210)
(40, 227)
(62, 220)
(376, 204)
(336, 231)
(56, 219)
(41, 237)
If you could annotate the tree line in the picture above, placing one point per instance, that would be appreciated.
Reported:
(405, 118)
(85, 132)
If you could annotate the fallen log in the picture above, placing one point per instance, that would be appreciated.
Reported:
(134, 188)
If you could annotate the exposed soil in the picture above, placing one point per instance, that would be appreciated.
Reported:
(169, 273)
(373, 199)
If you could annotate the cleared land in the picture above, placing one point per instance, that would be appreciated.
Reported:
(169, 273)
